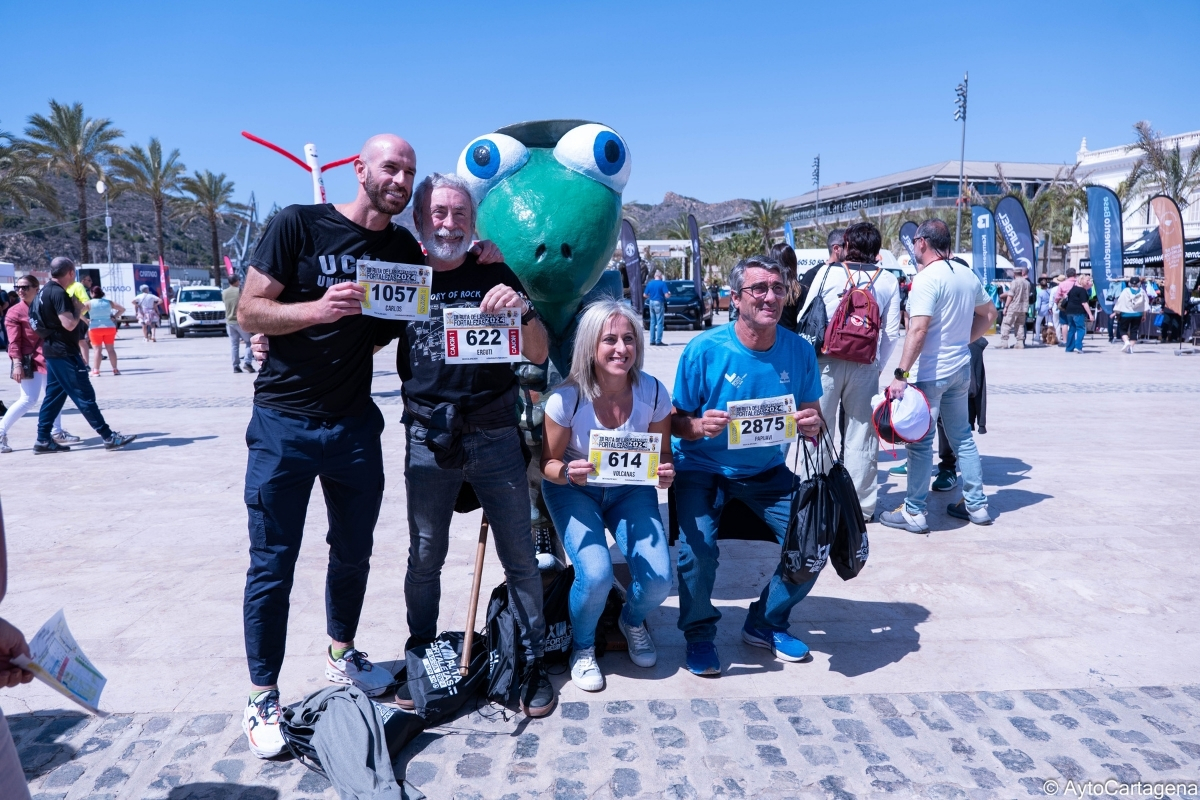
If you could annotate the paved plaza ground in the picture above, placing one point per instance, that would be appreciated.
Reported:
(1061, 643)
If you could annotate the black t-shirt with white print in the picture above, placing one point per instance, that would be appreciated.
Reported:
(323, 371)
(420, 358)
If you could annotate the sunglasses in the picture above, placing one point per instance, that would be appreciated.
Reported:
(21, 287)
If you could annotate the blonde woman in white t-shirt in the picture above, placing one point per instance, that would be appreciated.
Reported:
(607, 391)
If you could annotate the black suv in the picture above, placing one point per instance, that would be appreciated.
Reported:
(684, 307)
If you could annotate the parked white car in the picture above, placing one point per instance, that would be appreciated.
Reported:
(198, 308)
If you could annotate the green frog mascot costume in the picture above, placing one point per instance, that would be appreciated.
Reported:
(549, 195)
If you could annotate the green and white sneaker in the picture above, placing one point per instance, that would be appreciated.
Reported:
(260, 722)
(353, 669)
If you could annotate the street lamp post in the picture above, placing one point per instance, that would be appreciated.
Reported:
(816, 175)
(960, 113)
(102, 189)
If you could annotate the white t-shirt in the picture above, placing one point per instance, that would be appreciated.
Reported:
(887, 294)
(651, 403)
(947, 293)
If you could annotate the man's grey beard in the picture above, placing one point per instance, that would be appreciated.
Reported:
(445, 249)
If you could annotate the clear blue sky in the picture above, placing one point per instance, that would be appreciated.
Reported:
(715, 100)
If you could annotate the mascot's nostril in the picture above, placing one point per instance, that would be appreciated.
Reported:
(540, 253)
(566, 250)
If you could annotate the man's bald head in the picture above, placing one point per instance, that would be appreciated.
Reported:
(386, 167)
(61, 267)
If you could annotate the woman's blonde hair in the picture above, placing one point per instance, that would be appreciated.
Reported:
(587, 340)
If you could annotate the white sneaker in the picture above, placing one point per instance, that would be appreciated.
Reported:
(353, 669)
(585, 672)
(4, 448)
(260, 721)
(641, 646)
(63, 437)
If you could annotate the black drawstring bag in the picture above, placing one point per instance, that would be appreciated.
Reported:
(503, 639)
(850, 548)
(811, 525)
(431, 670)
(556, 611)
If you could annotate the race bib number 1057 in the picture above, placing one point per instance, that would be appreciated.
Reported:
(762, 423)
(628, 458)
(473, 337)
(395, 291)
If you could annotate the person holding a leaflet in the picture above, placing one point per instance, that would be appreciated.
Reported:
(741, 391)
(607, 446)
(461, 420)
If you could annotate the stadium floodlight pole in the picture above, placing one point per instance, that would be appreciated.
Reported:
(960, 113)
(313, 165)
(816, 175)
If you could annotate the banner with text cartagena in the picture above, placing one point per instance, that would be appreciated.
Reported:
(697, 274)
(633, 264)
(1105, 244)
(1013, 224)
(1170, 231)
(907, 231)
(983, 245)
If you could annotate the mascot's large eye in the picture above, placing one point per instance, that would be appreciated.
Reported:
(597, 152)
(489, 160)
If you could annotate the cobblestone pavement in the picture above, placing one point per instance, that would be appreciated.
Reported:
(946, 745)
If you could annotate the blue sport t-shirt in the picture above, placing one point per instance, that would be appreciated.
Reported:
(656, 290)
(716, 368)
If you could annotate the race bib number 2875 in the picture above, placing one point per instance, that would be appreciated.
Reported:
(473, 337)
(762, 423)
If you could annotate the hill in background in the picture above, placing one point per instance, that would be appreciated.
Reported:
(652, 221)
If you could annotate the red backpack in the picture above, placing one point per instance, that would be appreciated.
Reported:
(853, 333)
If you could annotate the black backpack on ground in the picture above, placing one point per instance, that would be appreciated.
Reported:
(431, 672)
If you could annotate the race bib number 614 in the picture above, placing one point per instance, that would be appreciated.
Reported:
(762, 423)
(625, 457)
(473, 337)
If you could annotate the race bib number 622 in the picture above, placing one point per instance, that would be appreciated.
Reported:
(762, 423)
(625, 457)
(473, 337)
(395, 291)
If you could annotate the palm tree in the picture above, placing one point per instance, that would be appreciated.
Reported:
(21, 182)
(678, 228)
(76, 146)
(764, 217)
(1163, 168)
(156, 179)
(209, 197)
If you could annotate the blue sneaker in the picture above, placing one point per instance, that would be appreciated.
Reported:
(702, 659)
(781, 643)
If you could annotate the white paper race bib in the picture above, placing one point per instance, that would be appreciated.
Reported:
(473, 337)
(762, 423)
(395, 291)
(621, 457)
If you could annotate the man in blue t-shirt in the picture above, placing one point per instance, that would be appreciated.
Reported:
(656, 292)
(751, 359)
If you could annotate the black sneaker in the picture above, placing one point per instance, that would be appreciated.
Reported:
(537, 693)
(237, 369)
(117, 441)
(49, 447)
(247, 367)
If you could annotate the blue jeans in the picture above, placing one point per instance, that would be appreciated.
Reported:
(658, 313)
(68, 377)
(581, 513)
(947, 400)
(699, 499)
(287, 454)
(495, 468)
(1076, 328)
